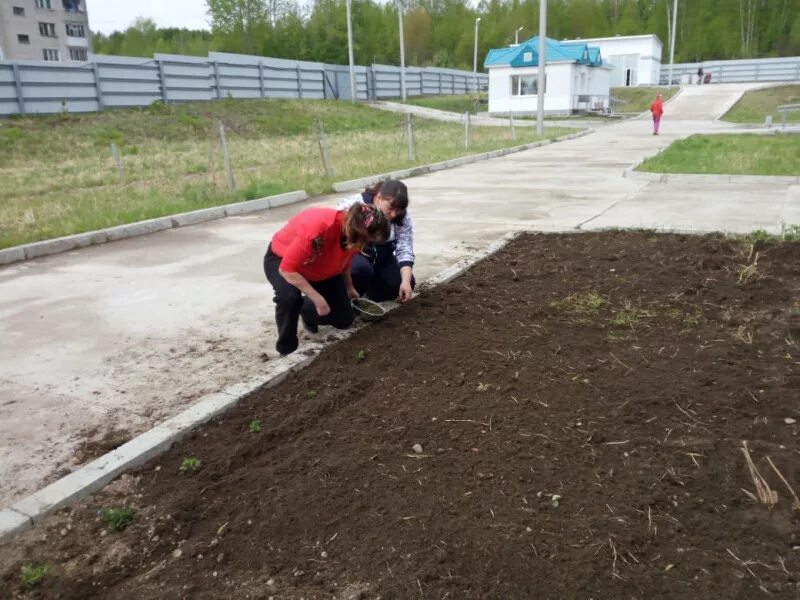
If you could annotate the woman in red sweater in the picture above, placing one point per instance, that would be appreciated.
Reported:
(657, 109)
(308, 265)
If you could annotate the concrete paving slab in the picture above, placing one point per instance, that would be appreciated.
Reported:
(132, 333)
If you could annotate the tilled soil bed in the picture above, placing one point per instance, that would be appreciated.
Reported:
(566, 420)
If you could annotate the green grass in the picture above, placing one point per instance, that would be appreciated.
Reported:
(32, 575)
(741, 154)
(582, 302)
(638, 99)
(754, 106)
(117, 519)
(190, 464)
(457, 104)
(59, 176)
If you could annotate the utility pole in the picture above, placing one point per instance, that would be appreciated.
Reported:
(402, 52)
(516, 34)
(672, 41)
(475, 57)
(350, 53)
(541, 81)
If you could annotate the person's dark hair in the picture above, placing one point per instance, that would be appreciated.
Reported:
(397, 193)
(365, 223)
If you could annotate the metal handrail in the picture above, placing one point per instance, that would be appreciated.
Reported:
(784, 108)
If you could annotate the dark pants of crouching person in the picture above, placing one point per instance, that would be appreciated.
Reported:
(290, 304)
(376, 273)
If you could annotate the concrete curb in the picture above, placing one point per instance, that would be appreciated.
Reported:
(93, 476)
(362, 182)
(120, 232)
(631, 173)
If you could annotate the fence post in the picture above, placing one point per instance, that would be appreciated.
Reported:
(216, 79)
(299, 82)
(162, 81)
(96, 72)
(466, 130)
(261, 78)
(18, 85)
(412, 152)
(511, 123)
(118, 162)
(227, 158)
(440, 82)
(323, 149)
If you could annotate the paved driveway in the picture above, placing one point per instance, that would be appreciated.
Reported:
(121, 336)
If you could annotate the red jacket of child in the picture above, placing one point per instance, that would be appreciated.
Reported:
(657, 107)
(310, 244)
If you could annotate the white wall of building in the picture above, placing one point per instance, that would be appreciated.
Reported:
(565, 81)
(637, 58)
(557, 97)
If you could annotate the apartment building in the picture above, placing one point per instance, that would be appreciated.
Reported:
(53, 30)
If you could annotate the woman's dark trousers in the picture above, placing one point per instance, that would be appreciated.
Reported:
(290, 305)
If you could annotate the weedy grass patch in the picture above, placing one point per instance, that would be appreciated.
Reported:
(32, 575)
(117, 519)
(60, 176)
(729, 154)
(755, 105)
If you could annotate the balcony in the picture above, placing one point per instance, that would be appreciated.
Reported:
(77, 42)
(73, 6)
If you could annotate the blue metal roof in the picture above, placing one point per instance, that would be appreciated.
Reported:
(555, 51)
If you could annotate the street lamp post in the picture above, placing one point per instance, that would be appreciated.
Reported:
(402, 52)
(516, 34)
(541, 81)
(353, 92)
(475, 57)
(672, 41)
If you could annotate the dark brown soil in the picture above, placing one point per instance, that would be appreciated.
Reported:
(580, 402)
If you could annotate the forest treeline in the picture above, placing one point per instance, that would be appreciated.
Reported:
(441, 32)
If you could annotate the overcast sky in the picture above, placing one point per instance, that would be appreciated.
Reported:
(106, 16)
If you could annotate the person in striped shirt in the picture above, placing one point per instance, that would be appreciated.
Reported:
(384, 271)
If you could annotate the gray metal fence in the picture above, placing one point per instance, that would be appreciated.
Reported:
(116, 81)
(731, 71)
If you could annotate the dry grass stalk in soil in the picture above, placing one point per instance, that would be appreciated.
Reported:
(764, 493)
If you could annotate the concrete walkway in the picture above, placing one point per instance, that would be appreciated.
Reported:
(121, 336)
(482, 120)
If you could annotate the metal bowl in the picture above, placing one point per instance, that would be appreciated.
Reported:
(368, 310)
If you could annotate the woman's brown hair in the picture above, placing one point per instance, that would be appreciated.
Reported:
(396, 193)
(364, 223)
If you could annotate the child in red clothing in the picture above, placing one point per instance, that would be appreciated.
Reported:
(656, 109)
(308, 265)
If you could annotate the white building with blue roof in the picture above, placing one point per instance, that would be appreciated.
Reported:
(576, 78)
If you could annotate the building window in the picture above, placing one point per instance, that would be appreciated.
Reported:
(44, 4)
(526, 85)
(51, 54)
(19, 11)
(47, 29)
(72, 6)
(23, 39)
(78, 54)
(76, 30)
(527, 56)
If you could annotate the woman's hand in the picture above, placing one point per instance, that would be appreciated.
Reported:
(406, 293)
(352, 293)
(321, 305)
